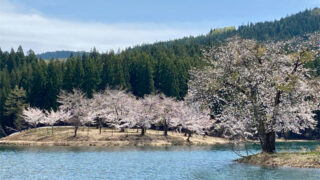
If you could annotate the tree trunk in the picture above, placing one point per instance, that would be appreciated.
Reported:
(165, 129)
(52, 130)
(122, 129)
(75, 131)
(267, 141)
(100, 129)
(142, 131)
(189, 135)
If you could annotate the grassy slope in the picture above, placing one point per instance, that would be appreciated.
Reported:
(286, 159)
(63, 136)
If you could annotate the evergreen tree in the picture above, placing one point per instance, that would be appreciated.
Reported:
(141, 78)
(167, 78)
(68, 72)
(4, 88)
(91, 78)
(19, 56)
(78, 73)
(39, 89)
(54, 83)
(105, 75)
(26, 78)
(13, 107)
(12, 64)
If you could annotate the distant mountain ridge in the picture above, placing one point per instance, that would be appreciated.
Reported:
(59, 54)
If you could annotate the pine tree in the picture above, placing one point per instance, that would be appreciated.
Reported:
(39, 89)
(20, 56)
(13, 107)
(105, 74)
(68, 72)
(12, 64)
(78, 73)
(167, 79)
(141, 77)
(91, 78)
(53, 85)
(117, 74)
(4, 88)
(26, 78)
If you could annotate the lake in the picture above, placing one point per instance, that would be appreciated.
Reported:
(142, 163)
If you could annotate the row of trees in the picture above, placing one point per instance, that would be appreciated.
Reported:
(118, 109)
(256, 90)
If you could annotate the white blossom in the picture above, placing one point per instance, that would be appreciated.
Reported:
(257, 88)
(33, 116)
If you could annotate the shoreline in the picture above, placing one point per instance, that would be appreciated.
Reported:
(104, 144)
(87, 137)
(297, 140)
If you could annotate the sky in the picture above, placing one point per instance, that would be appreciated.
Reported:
(80, 25)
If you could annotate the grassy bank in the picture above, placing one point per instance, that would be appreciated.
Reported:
(63, 136)
(285, 159)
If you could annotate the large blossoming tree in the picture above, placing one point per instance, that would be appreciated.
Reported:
(258, 89)
(75, 107)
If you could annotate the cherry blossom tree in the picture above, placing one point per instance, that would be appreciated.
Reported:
(169, 113)
(121, 104)
(194, 119)
(101, 110)
(261, 89)
(53, 117)
(76, 106)
(120, 110)
(33, 116)
(145, 112)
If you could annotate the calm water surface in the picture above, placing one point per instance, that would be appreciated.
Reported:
(142, 163)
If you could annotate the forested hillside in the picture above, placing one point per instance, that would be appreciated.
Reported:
(28, 80)
(160, 67)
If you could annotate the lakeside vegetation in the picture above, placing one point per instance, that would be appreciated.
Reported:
(302, 159)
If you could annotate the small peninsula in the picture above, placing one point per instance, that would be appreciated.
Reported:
(63, 136)
(285, 159)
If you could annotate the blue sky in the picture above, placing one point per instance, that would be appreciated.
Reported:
(47, 25)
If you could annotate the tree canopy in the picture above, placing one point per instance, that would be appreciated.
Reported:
(262, 89)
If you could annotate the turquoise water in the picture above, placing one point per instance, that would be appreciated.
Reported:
(141, 163)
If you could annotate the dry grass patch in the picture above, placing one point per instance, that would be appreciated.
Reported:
(288, 159)
(63, 136)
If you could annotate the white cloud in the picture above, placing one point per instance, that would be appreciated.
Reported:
(34, 31)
